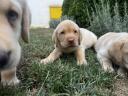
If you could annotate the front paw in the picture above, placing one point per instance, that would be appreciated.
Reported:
(82, 62)
(13, 82)
(44, 61)
(108, 68)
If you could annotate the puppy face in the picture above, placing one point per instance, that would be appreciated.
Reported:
(67, 34)
(14, 21)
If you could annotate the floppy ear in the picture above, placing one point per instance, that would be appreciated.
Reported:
(26, 21)
(116, 52)
(55, 38)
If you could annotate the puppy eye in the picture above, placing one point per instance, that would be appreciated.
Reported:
(62, 32)
(75, 31)
(12, 15)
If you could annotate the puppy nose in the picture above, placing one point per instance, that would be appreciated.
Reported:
(4, 58)
(71, 40)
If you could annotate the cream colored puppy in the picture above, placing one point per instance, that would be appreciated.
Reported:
(68, 37)
(112, 48)
(14, 21)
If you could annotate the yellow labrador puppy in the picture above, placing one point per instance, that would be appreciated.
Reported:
(68, 37)
(112, 48)
(14, 21)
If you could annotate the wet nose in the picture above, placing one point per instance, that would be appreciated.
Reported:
(4, 58)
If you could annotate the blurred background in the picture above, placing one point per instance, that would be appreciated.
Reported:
(99, 16)
(45, 10)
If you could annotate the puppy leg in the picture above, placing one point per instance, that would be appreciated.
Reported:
(80, 56)
(105, 63)
(9, 78)
(52, 57)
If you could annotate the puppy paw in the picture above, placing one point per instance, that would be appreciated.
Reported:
(82, 62)
(12, 82)
(44, 61)
(108, 69)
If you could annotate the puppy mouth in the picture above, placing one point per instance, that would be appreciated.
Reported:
(69, 45)
(72, 45)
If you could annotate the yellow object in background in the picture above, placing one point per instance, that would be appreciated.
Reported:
(55, 12)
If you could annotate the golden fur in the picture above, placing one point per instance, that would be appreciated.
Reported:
(112, 48)
(68, 37)
(14, 21)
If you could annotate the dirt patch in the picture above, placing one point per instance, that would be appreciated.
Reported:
(121, 87)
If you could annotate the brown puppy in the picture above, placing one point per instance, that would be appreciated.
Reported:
(14, 21)
(68, 37)
(112, 48)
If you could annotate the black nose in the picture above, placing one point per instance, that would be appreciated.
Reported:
(4, 58)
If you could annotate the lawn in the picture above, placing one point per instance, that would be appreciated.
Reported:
(61, 78)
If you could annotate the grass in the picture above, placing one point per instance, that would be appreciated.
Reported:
(61, 78)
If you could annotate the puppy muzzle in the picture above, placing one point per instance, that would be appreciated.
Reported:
(4, 59)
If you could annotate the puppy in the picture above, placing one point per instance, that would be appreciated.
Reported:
(14, 21)
(68, 38)
(112, 48)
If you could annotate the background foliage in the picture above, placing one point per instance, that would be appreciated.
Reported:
(85, 12)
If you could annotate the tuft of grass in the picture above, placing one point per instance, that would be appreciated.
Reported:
(61, 78)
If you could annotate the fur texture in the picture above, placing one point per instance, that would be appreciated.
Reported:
(14, 22)
(68, 38)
